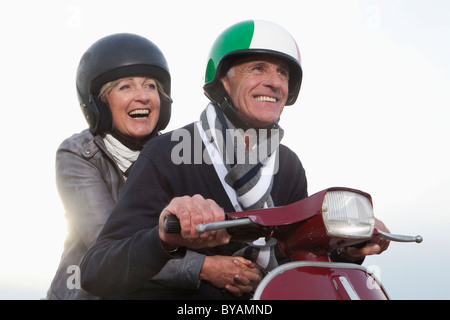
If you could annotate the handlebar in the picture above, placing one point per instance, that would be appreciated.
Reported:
(172, 225)
(212, 226)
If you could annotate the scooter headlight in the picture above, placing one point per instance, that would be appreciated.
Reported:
(348, 214)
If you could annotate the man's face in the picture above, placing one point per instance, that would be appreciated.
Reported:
(258, 87)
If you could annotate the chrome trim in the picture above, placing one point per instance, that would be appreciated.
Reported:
(349, 289)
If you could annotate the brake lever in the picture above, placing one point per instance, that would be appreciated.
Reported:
(397, 237)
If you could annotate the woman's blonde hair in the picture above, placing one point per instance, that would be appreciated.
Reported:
(107, 87)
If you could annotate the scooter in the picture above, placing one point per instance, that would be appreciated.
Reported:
(309, 232)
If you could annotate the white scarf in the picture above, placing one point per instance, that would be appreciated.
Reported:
(123, 156)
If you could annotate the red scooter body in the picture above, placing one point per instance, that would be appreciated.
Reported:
(303, 235)
(308, 232)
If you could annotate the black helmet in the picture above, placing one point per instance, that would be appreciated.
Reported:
(114, 57)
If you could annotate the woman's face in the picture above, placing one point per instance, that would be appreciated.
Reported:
(135, 106)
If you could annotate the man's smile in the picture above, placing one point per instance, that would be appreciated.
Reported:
(266, 99)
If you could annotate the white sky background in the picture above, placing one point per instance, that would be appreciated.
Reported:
(373, 114)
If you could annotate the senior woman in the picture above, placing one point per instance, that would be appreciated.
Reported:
(123, 86)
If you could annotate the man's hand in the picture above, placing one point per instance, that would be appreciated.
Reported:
(376, 245)
(192, 211)
(237, 275)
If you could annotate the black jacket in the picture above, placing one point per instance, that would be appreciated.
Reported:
(124, 258)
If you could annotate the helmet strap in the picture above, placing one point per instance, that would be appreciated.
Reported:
(132, 143)
(230, 111)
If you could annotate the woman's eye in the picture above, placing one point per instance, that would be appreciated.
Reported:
(124, 87)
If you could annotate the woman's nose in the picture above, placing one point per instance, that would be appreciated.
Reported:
(142, 95)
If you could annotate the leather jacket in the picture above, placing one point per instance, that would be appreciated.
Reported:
(89, 182)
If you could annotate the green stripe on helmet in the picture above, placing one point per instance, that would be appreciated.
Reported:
(237, 37)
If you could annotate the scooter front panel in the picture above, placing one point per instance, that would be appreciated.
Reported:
(311, 280)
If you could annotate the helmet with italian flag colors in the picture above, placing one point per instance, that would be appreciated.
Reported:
(247, 38)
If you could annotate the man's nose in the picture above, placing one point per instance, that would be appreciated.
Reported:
(274, 79)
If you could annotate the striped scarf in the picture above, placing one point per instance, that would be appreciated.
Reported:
(250, 170)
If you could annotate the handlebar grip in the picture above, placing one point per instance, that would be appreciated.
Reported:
(172, 224)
